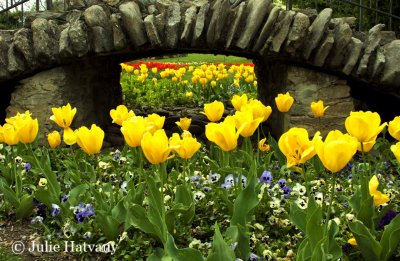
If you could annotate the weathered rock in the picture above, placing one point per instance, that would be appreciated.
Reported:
(324, 49)
(159, 22)
(257, 10)
(23, 43)
(65, 49)
(275, 30)
(74, 16)
(151, 30)
(119, 37)
(352, 54)
(316, 31)
(45, 35)
(190, 19)
(343, 35)
(351, 21)
(281, 35)
(75, 4)
(220, 10)
(101, 29)
(237, 17)
(370, 45)
(391, 72)
(163, 5)
(387, 37)
(152, 10)
(267, 29)
(16, 62)
(172, 27)
(133, 23)
(200, 22)
(297, 32)
(378, 64)
(112, 2)
(78, 38)
(6, 37)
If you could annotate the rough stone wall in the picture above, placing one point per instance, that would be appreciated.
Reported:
(90, 86)
(307, 86)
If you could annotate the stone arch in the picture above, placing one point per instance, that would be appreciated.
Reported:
(65, 46)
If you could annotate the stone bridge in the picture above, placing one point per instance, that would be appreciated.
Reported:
(74, 56)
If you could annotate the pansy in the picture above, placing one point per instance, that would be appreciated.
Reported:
(266, 177)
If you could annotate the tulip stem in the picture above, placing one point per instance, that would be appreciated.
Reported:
(333, 184)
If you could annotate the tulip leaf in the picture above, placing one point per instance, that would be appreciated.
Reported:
(108, 224)
(319, 251)
(76, 192)
(298, 217)
(184, 196)
(137, 217)
(157, 255)
(220, 249)
(182, 254)
(25, 208)
(370, 248)
(9, 194)
(43, 196)
(277, 152)
(333, 247)
(390, 238)
(314, 228)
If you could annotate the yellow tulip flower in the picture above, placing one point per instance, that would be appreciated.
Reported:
(296, 146)
(1, 134)
(352, 241)
(284, 102)
(185, 147)
(154, 122)
(184, 123)
(213, 83)
(20, 116)
(136, 72)
(90, 140)
(394, 128)
(133, 130)
(69, 137)
(223, 134)
(258, 109)
(10, 134)
(337, 150)
(396, 150)
(379, 197)
(63, 116)
(214, 110)
(154, 70)
(250, 124)
(365, 126)
(318, 108)
(54, 139)
(189, 94)
(238, 101)
(121, 114)
(27, 129)
(155, 146)
(262, 146)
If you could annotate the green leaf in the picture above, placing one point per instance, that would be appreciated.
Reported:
(25, 208)
(157, 255)
(314, 228)
(43, 196)
(319, 251)
(137, 217)
(9, 194)
(370, 248)
(277, 152)
(333, 248)
(108, 224)
(182, 254)
(220, 249)
(298, 217)
(76, 192)
(390, 238)
(184, 196)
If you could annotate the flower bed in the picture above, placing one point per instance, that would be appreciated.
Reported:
(172, 197)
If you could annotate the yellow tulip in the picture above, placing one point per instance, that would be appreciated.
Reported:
(296, 146)
(128, 68)
(262, 146)
(27, 129)
(10, 134)
(133, 130)
(258, 109)
(223, 134)
(174, 79)
(214, 110)
(352, 241)
(337, 150)
(63, 116)
(54, 139)
(396, 150)
(213, 83)
(394, 128)
(69, 137)
(184, 123)
(90, 140)
(250, 124)
(121, 114)
(318, 108)
(155, 146)
(379, 198)
(255, 83)
(136, 72)
(185, 147)
(203, 81)
(20, 116)
(154, 70)
(365, 126)
(238, 101)
(154, 122)
(284, 102)
(189, 94)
